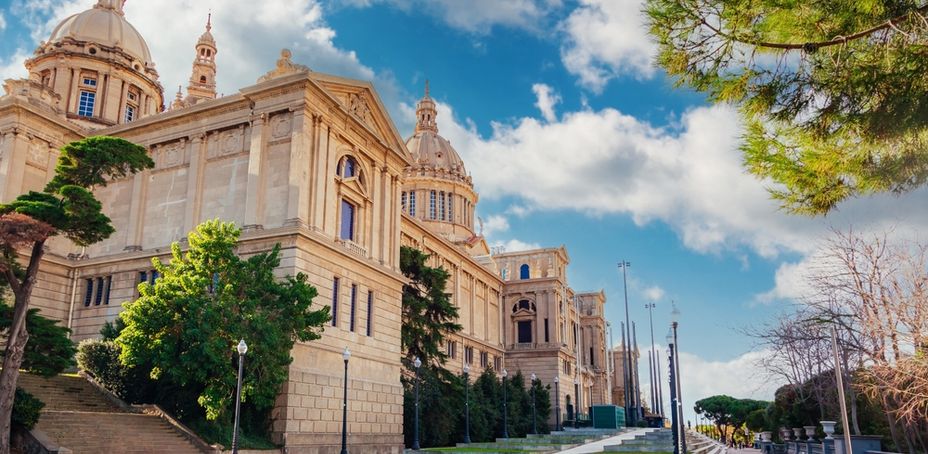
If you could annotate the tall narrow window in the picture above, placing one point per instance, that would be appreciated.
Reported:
(143, 276)
(524, 272)
(85, 103)
(370, 313)
(153, 277)
(451, 207)
(99, 297)
(354, 304)
(592, 363)
(88, 292)
(130, 113)
(109, 283)
(546, 331)
(432, 205)
(347, 227)
(335, 302)
(525, 332)
(403, 201)
(441, 205)
(412, 203)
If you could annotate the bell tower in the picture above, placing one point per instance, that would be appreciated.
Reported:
(203, 76)
(426, 113)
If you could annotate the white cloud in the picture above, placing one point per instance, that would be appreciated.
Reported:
(12, 66)
(515, 245)
(2, 21)
(654, 293)
(547, 98)
(494, 225)
(607, 38)
(478, 16)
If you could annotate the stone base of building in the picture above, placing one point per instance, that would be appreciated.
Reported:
(328, 443)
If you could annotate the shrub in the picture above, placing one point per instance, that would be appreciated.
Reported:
(101, 359)
(26, 409)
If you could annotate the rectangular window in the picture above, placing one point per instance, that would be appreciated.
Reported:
(451, 207)
(403, 201)
(484, 359)
(432, 205)
(143, 276)
(451, 349)
(99, 298)
(130, 114)
(153, 277)
(441, 205)
(335, 302)
(347, 230)
(133, 96)
(525, 332)
(469, 355)
(498, 363)
(370, 313)
(85, 103)
(592, 363)
(412, 203)
(90, 81)
(354, 303)
(546, 331)
(109, 283)
(88, 292)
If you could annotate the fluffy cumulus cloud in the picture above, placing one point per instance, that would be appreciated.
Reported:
(2, 21)
(546, 99)
(12, 66)
(478, 16)
(654, 293)
(604, 39)
(295, 24)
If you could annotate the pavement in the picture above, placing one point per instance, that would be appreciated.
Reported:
(597, 446)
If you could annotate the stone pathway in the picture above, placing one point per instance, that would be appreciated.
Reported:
(599, 446)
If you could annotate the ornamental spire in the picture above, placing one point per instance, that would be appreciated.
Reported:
(115, 5)
(426, 113)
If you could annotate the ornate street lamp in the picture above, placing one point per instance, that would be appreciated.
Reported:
(577, 410)
(557, 405)
(505, 413)
(466, 404)
(242, 349)
(346, 355)
(534, 417)
(415, 437)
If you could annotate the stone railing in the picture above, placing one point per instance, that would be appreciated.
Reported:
(353, 247)
(534, 345)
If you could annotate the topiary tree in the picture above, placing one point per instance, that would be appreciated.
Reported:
(65, 207)
(186, 325)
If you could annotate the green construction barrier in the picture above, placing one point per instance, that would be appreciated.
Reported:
(608, 417)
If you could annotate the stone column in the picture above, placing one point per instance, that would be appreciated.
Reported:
(254, 195)
(197, 150)
(298, 177)
(137, 211)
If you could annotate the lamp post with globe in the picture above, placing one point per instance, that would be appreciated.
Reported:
(346, 355)
(242, 349)
(505, 412)
(415, 436)
(674, 322)
(466, 403)
(674, 419)
(534, 416)
(557, 405)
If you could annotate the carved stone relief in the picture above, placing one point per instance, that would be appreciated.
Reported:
(37, 154)
(281, 125)
(358, 107)
(226, 143)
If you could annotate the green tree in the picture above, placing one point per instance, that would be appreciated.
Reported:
(65, 207)
(49, 351)
(186, 325)
(834, 94)
(428, 315)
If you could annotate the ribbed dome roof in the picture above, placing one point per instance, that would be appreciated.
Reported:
(432, 150)
(104, 24)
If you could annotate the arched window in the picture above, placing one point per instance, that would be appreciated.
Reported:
(524, 271)
(348, 167)
(202, 79)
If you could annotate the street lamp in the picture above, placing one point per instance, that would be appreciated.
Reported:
(557, 405)
(534, 417)
(577, 410)
(466, 403)
(346, 355)
(505, 413)
(674, 419)
(415, 437)
(655, 380)
(627, 338)
(242, 349)
(675, 321)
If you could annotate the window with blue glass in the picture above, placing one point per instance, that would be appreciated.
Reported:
(370, 313)
(85, 103)
(441, 205)
(403, 201)
(524, 272)
(349, 167)
(450, 207)
(347, 224)
(335, 302)
(130, 113)
(412, 204)
(432, 207)
(354, 304)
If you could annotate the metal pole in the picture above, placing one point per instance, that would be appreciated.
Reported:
(505, 413)
(660, 387)
(345, 413)
(627, 393)
(839, 372)
(466, 407)
(238, 402)
(651, 382)
(534, 415)
(679, 407)
(673, 403)
(557, 405)
(637, 378)
(415, 435)
(577, 404)
(656, 361)
(624, 265)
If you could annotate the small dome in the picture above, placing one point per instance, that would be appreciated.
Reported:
(430, 150)
(105, 25)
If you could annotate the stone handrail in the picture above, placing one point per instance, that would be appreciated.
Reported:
(34, 442)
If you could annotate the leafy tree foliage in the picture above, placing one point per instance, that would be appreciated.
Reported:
(728, 412)
(428, 315)
(834, 94)
(65, 207)
(49, 351)
(185, 326)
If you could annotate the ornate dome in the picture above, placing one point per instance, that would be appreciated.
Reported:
(105, 25)
(433, 155)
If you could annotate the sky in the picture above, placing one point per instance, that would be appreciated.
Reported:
(573, 137)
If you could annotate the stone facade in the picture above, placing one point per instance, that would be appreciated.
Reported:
(314, 163)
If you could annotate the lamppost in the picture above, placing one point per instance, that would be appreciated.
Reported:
(628, 342)
(242, 349)
(655, 379)
(557, 405)
(466, 403)
(674, 321)
(415, 436)
(346, 355)
(673, 396)
(505, 413)
(534, 417)
(577, 410)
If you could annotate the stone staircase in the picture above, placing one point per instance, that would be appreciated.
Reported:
(698, 443)
(660, 440)
(533, 444)
(78, 417)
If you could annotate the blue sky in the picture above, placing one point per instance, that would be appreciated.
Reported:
(571, 134)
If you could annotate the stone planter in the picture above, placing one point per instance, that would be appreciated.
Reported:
(797, 431)
(829, 428)
(810, 431)
(765, 436)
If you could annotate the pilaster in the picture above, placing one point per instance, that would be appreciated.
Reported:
(298, 177)
(254, 195)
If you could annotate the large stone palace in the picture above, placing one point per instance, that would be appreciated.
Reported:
(313, 162)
